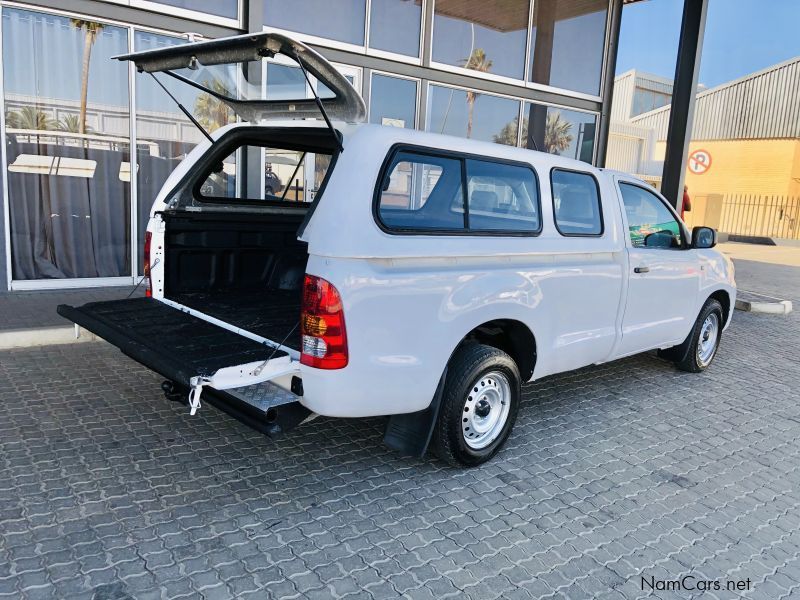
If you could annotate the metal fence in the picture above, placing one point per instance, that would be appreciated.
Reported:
(763, 216)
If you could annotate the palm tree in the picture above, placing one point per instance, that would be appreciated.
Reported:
(508, 134)
(72, 124)
(477, 61)
(29, 117)
(91, 29)
(557, 136)
(211, 112)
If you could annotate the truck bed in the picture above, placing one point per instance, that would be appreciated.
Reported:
(272, 314)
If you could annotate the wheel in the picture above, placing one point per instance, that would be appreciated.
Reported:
(479, 405)
(700, 347)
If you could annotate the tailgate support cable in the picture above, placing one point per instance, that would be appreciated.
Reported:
(198, 382)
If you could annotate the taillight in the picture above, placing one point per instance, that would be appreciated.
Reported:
(322, 325)
(148, 238)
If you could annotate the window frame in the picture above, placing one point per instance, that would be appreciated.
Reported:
(255, 136)
(599, 204)
(416, 80)
(685, 245)
(462, 158)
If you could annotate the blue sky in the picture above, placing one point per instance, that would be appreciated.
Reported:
(741, 36)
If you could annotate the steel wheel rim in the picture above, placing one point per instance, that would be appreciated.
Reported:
(486, 410)
(707, 344)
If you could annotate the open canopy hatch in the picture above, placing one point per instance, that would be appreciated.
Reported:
(346, 104)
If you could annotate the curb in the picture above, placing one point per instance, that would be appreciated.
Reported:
(43, 336)
(781, 307)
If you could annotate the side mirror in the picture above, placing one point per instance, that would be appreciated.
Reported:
(704, 237)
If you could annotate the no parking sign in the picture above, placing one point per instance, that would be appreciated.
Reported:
(699, 162)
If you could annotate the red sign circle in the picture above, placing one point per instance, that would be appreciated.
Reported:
(699, 162)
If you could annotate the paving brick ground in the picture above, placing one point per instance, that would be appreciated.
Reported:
(613, 473)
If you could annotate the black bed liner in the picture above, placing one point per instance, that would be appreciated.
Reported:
(169, 341)
(271, 314)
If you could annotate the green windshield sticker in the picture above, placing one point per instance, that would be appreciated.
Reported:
(640, 232)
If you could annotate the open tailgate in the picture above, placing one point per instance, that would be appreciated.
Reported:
(186, 349)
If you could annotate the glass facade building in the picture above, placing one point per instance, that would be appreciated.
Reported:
(88, 142)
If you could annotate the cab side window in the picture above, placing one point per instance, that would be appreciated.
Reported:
(576, 203)
(650, 222)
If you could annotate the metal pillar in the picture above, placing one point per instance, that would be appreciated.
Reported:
(608, 82)
(684, 89)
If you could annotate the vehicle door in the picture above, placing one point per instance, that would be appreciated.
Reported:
(664, 276)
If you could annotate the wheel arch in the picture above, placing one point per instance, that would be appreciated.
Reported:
(512, 337)
(724, 299)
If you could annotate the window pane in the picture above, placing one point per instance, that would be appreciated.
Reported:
(68, 146)
(567, 43)
(501, 197)
(340, 20)
(483, 36)
(285, 82)
(422, 192)
(394, 26)
(393, 101)
(284, 175)
(559, 131)
(576, 203)
(650, 223)
(164, 135)
(473, 115)
(221, 8)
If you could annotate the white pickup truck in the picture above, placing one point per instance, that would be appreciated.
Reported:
(427, 280)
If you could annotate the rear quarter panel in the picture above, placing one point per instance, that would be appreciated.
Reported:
(410, 299)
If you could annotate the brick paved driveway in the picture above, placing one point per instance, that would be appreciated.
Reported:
(613, 473)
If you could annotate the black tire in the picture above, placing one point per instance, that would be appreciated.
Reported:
(686, 356)
(469, 365)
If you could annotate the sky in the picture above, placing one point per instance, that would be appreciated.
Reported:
(741, 36)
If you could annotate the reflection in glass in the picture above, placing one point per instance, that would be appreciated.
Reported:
(285, 82)
(472, 115)
(567, 42)
(576, 203)
(487, 37)
(559, 131)
(340, 20)
(394, 26)
(220, 8)
(423, 192)
(164, 135)
(68, 146)
(393, 101)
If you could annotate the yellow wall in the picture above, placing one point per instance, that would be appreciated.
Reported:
(763, 172)
(764, 167)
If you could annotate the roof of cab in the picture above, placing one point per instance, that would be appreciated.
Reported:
(386, 136)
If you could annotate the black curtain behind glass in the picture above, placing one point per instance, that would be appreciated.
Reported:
(66, 226)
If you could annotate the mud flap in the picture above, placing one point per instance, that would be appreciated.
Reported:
(410, 433)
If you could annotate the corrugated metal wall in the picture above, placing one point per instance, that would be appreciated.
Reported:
(623, 97)
(765, 104)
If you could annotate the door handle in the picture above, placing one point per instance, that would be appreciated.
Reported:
(641, 269)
